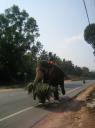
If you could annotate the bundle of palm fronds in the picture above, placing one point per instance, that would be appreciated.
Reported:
(42, 91)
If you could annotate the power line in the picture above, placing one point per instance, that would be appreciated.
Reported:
(86, 11)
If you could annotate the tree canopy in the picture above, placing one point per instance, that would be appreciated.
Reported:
(89, 35)
(18, 34)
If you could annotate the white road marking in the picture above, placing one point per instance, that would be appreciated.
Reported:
(68, 92)
(29, 108)
(17, 113)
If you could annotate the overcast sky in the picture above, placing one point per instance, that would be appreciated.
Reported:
(61, 26)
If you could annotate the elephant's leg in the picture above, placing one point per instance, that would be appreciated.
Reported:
(62, 88)
(56, 94)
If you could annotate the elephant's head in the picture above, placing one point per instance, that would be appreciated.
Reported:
(41, 75)
(42, 72)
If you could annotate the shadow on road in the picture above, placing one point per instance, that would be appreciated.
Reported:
(66, 104)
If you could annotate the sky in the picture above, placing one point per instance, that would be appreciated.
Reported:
(61, 26)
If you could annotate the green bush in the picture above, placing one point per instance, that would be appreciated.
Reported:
(41, 91)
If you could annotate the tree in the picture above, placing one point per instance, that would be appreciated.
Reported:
(85, 70)
(89, 35)
(68, 67)
(77, 71)
(43, 55)
(35, 51)
(18, 32)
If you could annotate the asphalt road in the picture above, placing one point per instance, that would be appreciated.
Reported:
(19, 110)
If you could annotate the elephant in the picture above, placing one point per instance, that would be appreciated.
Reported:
(51, 74)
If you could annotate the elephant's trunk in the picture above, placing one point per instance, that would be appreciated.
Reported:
(38, 78)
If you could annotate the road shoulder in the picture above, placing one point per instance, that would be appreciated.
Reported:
(71, 113)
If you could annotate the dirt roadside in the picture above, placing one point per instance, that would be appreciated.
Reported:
(6, 90)
(72, 113)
